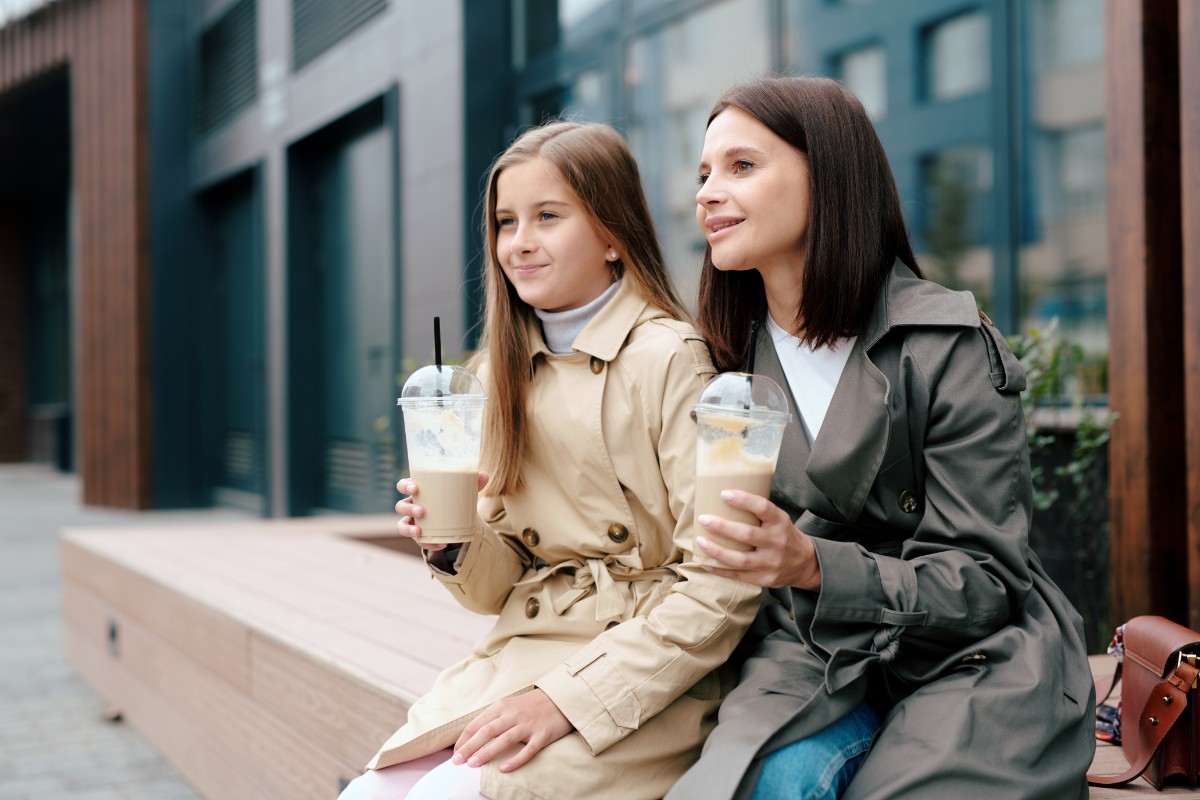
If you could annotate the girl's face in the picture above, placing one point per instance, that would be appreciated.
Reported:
(753, 202)
(545, 241)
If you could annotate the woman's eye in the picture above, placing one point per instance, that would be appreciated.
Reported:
(742, 166)
(506, 221)
(546, 216)
(700, 179)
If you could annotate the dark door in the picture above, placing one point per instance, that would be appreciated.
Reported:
(235, 395)
(342, 316)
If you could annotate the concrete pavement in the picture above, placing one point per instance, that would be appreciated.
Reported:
(54, 741)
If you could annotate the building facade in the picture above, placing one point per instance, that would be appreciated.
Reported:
(228, 224)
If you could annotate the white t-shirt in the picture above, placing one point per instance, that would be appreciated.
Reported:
(812, 374)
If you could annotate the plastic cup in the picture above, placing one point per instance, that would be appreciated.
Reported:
(740, 419)
(443, 421)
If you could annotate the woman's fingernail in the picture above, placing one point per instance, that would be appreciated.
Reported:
(705, 519)
(701, 541)
(726, 495)
(456, 758)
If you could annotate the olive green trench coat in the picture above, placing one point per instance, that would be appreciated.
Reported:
(589, 571)
(932, 606)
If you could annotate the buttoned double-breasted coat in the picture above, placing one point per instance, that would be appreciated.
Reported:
(589, 571)
(917, 492)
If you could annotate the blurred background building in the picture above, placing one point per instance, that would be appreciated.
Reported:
(226, 225)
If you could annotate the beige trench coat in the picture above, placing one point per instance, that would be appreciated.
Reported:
(589, 571)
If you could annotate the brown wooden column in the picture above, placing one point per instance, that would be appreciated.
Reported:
(103, 44)
(1145, 310)
(1189, 113)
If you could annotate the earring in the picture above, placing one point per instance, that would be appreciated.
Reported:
(612, 255)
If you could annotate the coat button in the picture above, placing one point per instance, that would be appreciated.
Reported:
(908, 501)
(530, 537)
(597, 366)
(618, 532)
(532, 605)
(612, 624)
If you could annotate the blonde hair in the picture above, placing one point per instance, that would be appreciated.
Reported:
(594, 162)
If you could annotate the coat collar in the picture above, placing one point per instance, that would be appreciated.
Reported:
(604, 334)
(908, 300)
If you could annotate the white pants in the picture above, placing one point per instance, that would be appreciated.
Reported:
(430, 777)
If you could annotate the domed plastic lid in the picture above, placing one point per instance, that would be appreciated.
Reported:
(447, 382)
(747, 395)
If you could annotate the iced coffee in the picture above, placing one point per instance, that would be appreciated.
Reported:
(443, 423)
(740, 419)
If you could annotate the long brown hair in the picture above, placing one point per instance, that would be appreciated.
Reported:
(855, 226)
(596, 165)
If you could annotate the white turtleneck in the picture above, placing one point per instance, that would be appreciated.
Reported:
(559, 328)
(812, 374)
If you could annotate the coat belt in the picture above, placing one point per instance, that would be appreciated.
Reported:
(572, 580)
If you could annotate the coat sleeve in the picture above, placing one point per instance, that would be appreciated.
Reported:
(636, 669)
(964, 572)
(492, 563)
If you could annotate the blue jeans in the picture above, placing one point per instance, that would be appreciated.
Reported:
(821, 766)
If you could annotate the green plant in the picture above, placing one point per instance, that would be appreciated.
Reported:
(1056, 372)
(1068, 452)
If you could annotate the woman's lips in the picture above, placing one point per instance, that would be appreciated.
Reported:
(721, 227)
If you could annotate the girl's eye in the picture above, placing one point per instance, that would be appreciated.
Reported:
(742, 166)
(545, 216)
(700, 179)
(506, 221)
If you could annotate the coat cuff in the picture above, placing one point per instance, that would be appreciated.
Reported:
(594, 698)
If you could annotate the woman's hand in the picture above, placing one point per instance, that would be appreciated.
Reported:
(410, 512)
(531, 718)
(780, 554)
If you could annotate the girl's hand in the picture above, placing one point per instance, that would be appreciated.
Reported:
(780, 554)
(410, 512)
(531, 718)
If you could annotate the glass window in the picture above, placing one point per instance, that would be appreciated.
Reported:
(572, 12)
(1063, 259)
(864, 72)
(957, 55)
(587, 97)
(535, 29)
(1068, 32)
(955, 227)
(673, 77)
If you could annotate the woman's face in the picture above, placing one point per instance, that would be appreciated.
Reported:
(545, 241)
(753, 202)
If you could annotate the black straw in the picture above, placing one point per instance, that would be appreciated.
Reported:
(437, 342)
(750, 346)
(437, 351)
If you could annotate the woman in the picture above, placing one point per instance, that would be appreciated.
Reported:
(895, 540)
(602, 676)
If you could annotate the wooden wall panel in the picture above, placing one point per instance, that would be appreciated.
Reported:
(1189, 114)
(103, 42)
(1145, 309)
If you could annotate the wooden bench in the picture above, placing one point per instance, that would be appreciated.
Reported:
(265, 660)
(271, 659)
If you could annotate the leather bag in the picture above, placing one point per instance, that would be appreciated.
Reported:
(1160, 718)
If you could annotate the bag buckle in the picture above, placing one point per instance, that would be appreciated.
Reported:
(1193, 660)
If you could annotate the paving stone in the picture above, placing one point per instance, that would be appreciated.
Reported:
(54, 742)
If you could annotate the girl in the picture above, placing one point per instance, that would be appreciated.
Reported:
(895, 538)
(600, 678)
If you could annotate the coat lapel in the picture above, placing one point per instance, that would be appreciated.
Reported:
(790, 481)
(849, 450)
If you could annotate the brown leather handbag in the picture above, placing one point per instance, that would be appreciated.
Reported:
(1159, 670)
